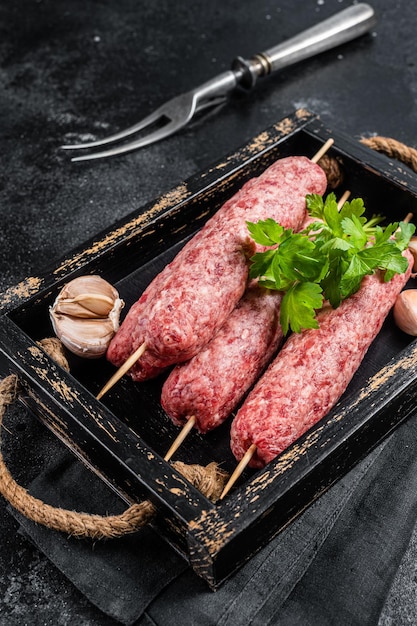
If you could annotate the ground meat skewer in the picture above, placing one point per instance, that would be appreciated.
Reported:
(202, 285)
(311, 372)
(209, 386)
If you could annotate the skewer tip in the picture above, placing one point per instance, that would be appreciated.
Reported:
(122, 370)
(243, 463)
(188, 426)
(343, 199)
(325, 147)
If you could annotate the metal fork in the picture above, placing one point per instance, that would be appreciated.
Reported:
(177, 112)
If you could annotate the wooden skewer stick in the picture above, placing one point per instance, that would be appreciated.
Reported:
(325, 147)
(239, 469)
(122, 370)
(188, 426)
(343, 199)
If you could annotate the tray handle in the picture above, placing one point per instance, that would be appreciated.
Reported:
(393, 148)
(210, 480)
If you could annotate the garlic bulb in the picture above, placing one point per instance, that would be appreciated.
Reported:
(405, 311)
(85, 315)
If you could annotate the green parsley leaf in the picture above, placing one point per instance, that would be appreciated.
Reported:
(331, 282)
(300, 259)
(315, 205)
(262, 264)
(266, 232)
(353, 228)
(299, 305)
(329, 259)
(403, 234)
(354, 208)
(351, 279)
(331, 216)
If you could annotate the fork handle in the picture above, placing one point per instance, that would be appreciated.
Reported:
(334, 31)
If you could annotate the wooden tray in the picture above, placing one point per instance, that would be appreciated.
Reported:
(125, 436)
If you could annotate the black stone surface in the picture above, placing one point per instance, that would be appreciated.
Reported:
(83, 69)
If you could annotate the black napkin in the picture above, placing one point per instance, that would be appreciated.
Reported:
(334, 565)
(119, 576)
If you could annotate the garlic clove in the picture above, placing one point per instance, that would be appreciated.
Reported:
(88, 305)
(405, 311)
(84, 337)
(87, 296)
(86, 314)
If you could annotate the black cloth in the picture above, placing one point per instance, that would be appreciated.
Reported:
(333, 565)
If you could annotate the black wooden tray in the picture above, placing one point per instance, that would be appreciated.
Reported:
(125, 436)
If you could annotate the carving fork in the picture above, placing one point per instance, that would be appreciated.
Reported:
(177, 112)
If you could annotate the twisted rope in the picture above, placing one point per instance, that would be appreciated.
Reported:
(333, 169)
(394, 149)
(333, 166)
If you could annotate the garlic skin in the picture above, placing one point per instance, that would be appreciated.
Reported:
(405, 311)
(85, 315)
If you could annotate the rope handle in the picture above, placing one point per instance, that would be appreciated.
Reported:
(393, 148)
(390, 147)
(210, 480)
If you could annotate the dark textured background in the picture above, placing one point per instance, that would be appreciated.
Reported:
(82, 69)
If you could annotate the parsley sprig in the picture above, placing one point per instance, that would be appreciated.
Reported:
(327, 260)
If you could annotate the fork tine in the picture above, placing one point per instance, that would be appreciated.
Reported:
(157, 135)
(131, 130)
(161, 133)
(177, 112)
